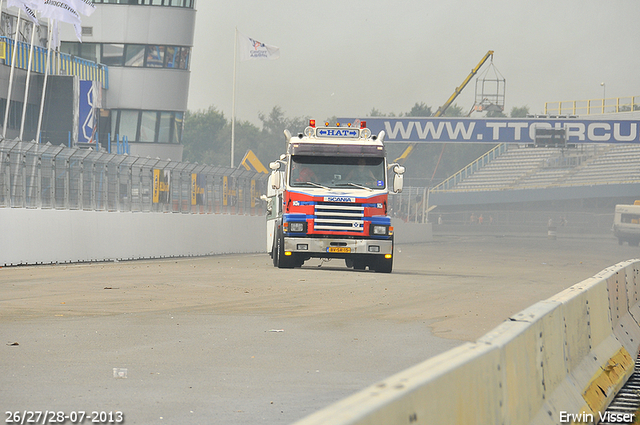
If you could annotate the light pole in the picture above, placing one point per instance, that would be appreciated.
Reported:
(604, 94)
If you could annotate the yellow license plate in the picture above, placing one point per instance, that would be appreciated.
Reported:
(339, 249)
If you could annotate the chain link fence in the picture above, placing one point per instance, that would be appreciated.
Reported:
(36, 175)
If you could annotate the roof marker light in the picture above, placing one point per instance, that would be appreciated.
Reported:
(363, 124)
(337, 124)
(326, 124)
(348, 124)
(312, 123)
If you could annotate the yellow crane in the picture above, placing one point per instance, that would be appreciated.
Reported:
(251, 162)
(402, 158)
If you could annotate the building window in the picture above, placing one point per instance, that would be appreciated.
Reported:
(88, 51)
(147, 126)
(155, 56)
(164, 129)
(184, 58)
(112, 54)
(174, 3)
(128, 125)
(172, 55)
(133, 55)
(177, 127)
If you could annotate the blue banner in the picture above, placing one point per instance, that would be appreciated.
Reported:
(499, 130)
(87, 107)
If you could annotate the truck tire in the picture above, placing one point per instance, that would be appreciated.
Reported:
(384, 265)
(274, 252)
(284, 261)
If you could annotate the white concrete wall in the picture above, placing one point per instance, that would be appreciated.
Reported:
(42, 236)
(567, 355)
(411, 232)
(34, 236)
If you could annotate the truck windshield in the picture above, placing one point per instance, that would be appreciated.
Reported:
(333, 172)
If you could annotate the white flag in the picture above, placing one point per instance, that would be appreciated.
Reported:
(27, 6)
(61, 10)
(85, 7)
(253, 49)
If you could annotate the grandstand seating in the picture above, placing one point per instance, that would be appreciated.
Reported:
(522, 167)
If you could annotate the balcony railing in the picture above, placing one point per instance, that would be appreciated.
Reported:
(59, 64)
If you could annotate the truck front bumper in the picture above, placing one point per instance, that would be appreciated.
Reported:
(336, 247)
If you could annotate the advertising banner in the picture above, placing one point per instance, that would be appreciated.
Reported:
(198, 183)
(161, 186)
(501, 130)
(87, 108)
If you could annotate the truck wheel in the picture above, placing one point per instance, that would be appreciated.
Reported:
(284, 261)
(384, 265)
(274, 252)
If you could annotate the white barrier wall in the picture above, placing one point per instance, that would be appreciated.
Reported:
(560, 361)
(34, 236)
(42, 236)
(411, 232)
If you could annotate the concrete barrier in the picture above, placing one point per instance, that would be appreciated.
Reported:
(411, 232)
(559, 361)
(43, 236)
(36, 236)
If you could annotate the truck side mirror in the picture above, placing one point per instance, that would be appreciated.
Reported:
(398, 181)
(274, 180)
(275, 165)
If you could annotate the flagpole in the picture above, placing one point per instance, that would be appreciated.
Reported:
(233, 102)
(13, 65)
(44, 85)
(26, 88)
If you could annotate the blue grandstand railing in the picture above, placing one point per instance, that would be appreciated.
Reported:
(67, 64)
(470, 169)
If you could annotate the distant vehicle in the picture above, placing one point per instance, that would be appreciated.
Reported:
(327, 198)
(626, 223)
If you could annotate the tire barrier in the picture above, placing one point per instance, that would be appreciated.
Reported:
(559, 361)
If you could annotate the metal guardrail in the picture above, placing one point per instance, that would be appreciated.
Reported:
(34, 175)
(593, 106)
(65, 63)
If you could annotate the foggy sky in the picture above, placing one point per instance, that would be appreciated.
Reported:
(344, 58)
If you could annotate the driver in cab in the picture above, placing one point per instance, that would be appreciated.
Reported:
(361, 174)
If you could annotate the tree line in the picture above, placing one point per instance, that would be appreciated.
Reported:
(207, 140)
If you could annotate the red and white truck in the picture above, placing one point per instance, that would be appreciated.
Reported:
(328, 198)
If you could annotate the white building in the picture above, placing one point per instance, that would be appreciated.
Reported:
(147, 46)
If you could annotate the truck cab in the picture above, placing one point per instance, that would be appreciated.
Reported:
(328, 198)
(626, 223)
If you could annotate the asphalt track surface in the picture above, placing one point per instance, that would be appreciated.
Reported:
(232, 340)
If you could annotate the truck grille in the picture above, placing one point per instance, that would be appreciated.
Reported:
(343, 217)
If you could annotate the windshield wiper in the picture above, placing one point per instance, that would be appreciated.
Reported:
(355, 185)
(316, 185)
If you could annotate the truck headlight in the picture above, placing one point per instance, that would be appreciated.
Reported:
(379, 230)
(297, 227)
